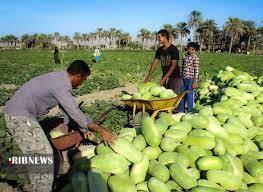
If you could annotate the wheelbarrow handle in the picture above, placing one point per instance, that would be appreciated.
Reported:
(98, 120)
(81, 103)
(103, 115)
(180, 97)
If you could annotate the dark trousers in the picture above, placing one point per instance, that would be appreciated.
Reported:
(56, 59)
(176, 84)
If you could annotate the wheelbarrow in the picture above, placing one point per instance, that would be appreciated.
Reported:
(154, 106)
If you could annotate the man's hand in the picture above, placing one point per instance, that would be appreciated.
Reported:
(108, 136)
(146, 80)
(194, 85)
(86, 133)
(162, 82)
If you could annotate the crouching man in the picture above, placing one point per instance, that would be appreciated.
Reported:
(34, 99)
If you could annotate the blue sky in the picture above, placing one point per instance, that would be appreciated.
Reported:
(69, 16)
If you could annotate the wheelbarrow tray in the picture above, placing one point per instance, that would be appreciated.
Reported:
(155, 105)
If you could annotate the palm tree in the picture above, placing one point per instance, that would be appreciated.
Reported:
(9, 39)
(40, 40)
(144, 34)
(209, 26)
(34, 39)
(201, 35)
(5, 39)
(250, 30)
(234, 27)
(99, 33)
(43, 40)
(25, 39)
(147, 36)
(13, 40)
(56, 37)
(220, 39)
(66, 41)
(257, 38)
(183, 30)
(106, 35)
(112, 33)
(118, 34)
(29, 40)
(170, 29)
(194, 20)
(92, 37)
(154, 37)
(126, 38)
(48, 40)
(77, 38)
(141, 34)
(85, 37)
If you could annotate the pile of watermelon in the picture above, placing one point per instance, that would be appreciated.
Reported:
(151, 91)
(217, 148)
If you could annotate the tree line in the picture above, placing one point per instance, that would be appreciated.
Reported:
(235, 35)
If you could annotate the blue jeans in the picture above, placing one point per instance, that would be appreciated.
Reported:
(189, 98)
(97, 58)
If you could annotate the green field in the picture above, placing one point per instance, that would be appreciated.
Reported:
(19, 66)
(116, 68)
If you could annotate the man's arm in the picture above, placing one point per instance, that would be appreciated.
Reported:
(67, 101)
(65, 116)
(153, 67)
(169, 72)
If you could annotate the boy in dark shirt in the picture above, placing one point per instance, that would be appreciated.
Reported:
(190, 73)
(168, 54)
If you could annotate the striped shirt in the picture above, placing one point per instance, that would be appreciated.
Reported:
(190, 67)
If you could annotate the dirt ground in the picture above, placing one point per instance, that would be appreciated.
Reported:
(8, 86)
(106, 95)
